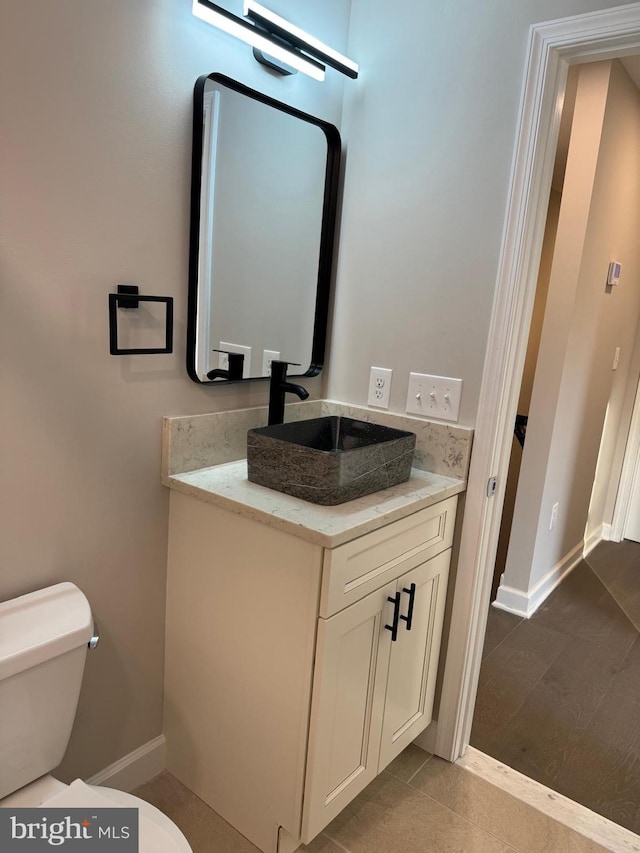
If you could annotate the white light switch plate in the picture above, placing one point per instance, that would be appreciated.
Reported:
(616, 359)
(434, 396)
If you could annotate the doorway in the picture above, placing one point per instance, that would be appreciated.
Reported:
(582, 364)
(553, 47)
(629, 512)
(557, 690)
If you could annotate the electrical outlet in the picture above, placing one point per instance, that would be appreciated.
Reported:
(269, 355)
(379, 387)
(434, 396)
(554, 516)
(223, 360)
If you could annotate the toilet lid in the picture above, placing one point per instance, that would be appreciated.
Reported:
(157, 834)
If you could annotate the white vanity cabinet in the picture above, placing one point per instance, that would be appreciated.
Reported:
(286, 692)
(376, 659)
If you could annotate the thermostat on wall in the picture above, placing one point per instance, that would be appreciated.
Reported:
(613, 278)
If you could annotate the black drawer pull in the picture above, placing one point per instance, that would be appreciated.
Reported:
(395, 600)
(411, 592)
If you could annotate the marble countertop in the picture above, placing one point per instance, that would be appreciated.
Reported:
(227, 486)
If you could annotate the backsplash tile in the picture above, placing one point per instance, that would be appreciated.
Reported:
(202, 441)
(441, 448)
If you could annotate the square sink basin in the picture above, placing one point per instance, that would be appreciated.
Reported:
(329, 460)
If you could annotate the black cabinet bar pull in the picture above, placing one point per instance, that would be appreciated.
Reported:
(411, 592)
(395, 600)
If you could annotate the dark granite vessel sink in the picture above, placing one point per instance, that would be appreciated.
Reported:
(329, 460)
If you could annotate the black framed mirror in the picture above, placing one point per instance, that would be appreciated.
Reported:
(264, 192)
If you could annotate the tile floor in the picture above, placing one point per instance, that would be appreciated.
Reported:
(559, 694)
(617, 564)
(420, 804)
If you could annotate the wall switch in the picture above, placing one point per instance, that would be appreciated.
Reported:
(616, 359)
(379, 387)
(269, 355)
(554, 516)
(434, 396)
(223, 361)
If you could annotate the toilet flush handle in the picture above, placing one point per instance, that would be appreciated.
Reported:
(95, 639)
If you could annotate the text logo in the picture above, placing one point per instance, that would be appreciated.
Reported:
(70, 830)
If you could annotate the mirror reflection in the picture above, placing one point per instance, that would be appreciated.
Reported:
(263, 216)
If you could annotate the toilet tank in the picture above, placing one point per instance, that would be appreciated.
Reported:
(43, 645)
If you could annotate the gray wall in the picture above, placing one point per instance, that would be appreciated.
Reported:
(95, 126)
(430, 132)
(95, 129)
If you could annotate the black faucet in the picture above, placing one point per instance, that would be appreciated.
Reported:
(235, 369)
(278, 388)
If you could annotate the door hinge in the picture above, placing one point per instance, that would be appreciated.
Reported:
(492, 485)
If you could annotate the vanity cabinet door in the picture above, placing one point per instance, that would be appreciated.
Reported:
(414, 657)
(352, 661)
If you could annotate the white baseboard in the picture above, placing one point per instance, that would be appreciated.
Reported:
(134, 769)
(525, 604)
(427, 739)
(607, 532)
(594, 539)
(580, 819)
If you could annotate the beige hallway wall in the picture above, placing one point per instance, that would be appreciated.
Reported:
(584, 322)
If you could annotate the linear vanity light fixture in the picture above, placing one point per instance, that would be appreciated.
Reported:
(247, 32)
(281, 28)
(273, 36)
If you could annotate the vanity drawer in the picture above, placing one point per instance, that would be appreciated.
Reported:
(356, 568)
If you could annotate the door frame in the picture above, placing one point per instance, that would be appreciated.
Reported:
(629, 476)
(552, 48)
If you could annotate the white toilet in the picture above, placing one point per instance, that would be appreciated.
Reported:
(43, 644)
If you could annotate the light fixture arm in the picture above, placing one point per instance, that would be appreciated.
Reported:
(273, 36)
(280, 27)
